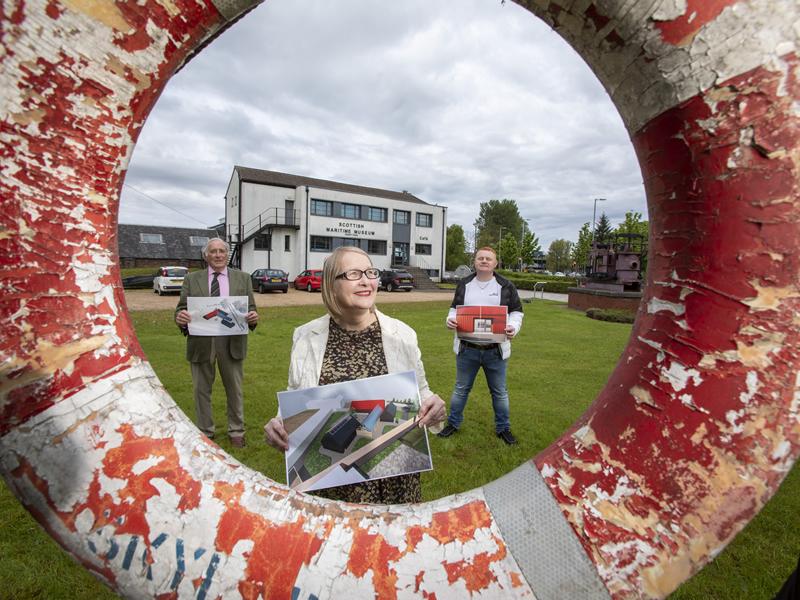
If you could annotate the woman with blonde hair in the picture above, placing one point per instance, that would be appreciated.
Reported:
(353, 341)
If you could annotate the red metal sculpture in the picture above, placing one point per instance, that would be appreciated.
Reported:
(694, 432)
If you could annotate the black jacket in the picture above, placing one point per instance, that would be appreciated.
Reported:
(508, 293)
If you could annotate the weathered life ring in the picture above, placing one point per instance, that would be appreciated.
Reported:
(693, 433)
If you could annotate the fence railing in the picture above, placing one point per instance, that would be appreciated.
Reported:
(271, 216)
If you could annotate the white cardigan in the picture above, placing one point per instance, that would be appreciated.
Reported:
(399, 346)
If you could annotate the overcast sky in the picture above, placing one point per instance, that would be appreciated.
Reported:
(456, 101)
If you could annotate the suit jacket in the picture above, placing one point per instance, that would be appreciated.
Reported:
(399, 346)
(198, 347)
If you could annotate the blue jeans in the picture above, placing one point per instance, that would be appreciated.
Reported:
(468, 362)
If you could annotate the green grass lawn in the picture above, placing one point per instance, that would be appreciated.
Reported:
(560, 361)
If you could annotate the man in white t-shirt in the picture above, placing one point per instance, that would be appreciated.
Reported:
(484, 288)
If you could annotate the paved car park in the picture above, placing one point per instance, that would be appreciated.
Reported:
(147, 300)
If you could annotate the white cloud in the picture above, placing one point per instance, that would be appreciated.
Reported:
(457, 102)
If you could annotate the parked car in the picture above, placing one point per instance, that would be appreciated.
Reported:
(269, 280)
(137, 282)
(168, 279)
(309, 280)
(396, 280)
(559, 274)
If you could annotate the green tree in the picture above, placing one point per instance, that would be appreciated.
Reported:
(508, 251)
(602, 234)
(530, 246)
(456, 248)
(495, 216)
(558, 255)
(580, 250)
(633, 224)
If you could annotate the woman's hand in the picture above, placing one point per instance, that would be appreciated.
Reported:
(276, 435)
(432, 411)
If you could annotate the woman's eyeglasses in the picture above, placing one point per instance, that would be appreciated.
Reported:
(356, 274)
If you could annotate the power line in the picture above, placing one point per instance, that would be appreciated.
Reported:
(149, 197)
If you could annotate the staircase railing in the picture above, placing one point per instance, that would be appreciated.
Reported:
(270, 217)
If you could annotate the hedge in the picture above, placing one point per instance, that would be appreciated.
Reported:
(554, 285)
(611, 314)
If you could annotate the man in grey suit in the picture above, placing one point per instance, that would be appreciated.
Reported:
(206, 353)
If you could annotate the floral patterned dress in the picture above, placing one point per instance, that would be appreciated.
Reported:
(354, 355)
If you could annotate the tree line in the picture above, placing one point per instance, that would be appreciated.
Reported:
(499, 225)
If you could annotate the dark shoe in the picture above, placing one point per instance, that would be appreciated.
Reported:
(507, 437)
(237, 441)
(447, 431)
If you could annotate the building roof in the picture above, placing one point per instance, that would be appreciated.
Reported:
(295, 181)
(175, 242)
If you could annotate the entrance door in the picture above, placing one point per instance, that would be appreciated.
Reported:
(289, 208)
(400, 254)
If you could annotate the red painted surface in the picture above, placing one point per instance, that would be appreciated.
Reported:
(41, 199)
(721, 175)
(476, 572)
(722, 207)
(680, 31)
(371, 552)
(278, 550)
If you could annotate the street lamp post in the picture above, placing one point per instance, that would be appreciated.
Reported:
(594, 224)
(522, 240)
(594, 217)
(500, 246)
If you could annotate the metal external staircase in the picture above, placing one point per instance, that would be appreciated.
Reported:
(272, 218)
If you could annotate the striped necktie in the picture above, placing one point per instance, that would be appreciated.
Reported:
(215, 285)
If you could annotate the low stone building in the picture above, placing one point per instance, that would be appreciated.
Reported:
(157, 245)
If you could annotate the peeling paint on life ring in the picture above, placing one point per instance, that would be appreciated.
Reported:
(695, 430)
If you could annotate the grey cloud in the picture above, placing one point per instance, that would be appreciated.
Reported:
(456, 106)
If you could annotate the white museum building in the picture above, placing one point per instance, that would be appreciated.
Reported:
(291, 222)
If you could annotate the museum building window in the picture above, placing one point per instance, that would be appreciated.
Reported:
(402, 217)
(351, 211)
(376, 247)
(321, 243)
(376, 213)
(322, 208)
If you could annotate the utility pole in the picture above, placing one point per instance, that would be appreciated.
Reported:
(594, 217)
(594, 226)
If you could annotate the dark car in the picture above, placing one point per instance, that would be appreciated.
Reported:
(309, 280)
(137, 282)
(396, 280)
(270, 280)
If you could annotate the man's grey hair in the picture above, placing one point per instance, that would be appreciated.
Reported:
(204, 251)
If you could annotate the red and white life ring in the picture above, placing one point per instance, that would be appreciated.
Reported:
(693, 433)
